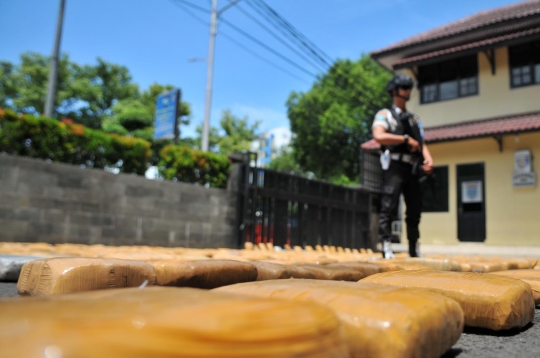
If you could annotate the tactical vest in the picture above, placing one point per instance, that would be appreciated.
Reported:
(404, 126)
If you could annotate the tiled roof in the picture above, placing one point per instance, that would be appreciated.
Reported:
(483, 128)
(476, 129)
(476, 21)
(470, 46)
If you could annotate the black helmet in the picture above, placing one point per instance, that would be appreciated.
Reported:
(399, 81)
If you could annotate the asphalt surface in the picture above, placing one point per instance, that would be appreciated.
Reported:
(474, 343)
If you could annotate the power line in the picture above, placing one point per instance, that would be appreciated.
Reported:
(197, 7)
(277, 37)
(323, 57)
(245, 34)
(262, 58)
(362, 91)
(308, 44)
(180, 5)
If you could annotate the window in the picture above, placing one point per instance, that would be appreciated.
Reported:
(449, 79)
(435, 197)
(524, 64)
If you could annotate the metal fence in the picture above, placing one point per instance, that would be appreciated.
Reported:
(286, 209)
(370, 171)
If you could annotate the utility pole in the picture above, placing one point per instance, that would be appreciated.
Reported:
(53, 72)
(214, 15)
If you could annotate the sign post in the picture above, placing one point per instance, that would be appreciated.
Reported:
(166, 118)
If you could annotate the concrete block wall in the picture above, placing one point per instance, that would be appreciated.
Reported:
(59, 203)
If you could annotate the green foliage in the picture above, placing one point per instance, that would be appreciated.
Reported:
(99, 87)
(234, 135)
(46, 138)
(286, 162)
(238, 133)
(181, 163)
(23, 88)
(331, 120)
(148, 99)
(135, 118)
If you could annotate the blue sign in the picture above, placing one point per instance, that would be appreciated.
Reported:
(166, 112)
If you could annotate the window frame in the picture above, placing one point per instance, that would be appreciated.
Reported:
(530, 65)
(459, 78)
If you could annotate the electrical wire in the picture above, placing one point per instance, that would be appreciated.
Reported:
(278, 38)
(197, 7)
(323, 57)
(258, 42)
(309, 46)
(362, 92)
(180, 4)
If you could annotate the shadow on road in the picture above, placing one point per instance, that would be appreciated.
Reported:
(452, 353)
(488, 332)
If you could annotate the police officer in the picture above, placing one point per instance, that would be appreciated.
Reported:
(404, 152)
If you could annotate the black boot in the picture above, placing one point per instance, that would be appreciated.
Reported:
(414, 248)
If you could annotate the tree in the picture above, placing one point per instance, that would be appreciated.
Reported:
(234, 135)
(285, 162)
(333, 118)
(85, 94)
(23, 88)
(238, 133)
(135, 117)
(96, 89)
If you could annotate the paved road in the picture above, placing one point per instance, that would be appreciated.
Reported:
(474, 343)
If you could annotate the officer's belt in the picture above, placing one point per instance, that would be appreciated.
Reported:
(404, 157)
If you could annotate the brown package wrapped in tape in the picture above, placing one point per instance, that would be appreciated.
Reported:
(380, 321)
(203, 274)
(532, 277)
(68, 275)
(480, 266)
(488, 301)
(271, 271)
(435, 264)
(324, 272)
(366, 268)
(301, 272)
(413, 266)
(386, 265)
(167, 322)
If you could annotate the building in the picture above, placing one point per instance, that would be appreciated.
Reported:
(269, 144)
(478, 96)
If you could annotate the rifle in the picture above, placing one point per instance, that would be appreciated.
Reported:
(414, 131)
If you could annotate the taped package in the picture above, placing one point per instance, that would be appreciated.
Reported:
(301, 272)
(435, 264)
(167, 322)
(203, 274)
(271, 271)
(488, 301)
(380, 321)
(68, 275)
(334, 273)
(366, 268)
(532, 277)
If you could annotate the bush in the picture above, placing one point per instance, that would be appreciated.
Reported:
(187, 165)
(66, 142)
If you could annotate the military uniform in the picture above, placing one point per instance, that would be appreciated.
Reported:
(402, 175)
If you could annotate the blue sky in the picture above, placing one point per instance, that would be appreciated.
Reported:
(155, 39)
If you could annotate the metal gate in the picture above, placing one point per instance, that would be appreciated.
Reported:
(279, 208)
